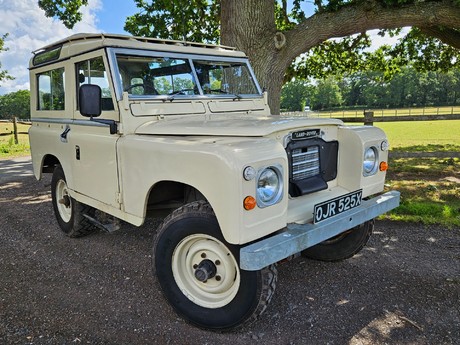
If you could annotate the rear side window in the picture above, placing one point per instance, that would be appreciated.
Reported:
(51, 91)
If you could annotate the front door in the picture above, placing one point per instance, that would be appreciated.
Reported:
(93, 147)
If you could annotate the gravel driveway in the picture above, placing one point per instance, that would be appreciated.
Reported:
(403, 288)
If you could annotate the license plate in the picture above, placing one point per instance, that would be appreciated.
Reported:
(336, 206)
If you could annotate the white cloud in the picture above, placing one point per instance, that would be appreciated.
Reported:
(378, 41)
(29, 29)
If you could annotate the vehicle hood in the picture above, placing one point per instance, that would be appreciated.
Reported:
(230, 125)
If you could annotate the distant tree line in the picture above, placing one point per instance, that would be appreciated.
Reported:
(15, 104)
(371, 89)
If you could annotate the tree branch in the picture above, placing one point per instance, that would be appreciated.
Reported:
(446, 35)
(319, 5)
(284, 10)
(368, 15)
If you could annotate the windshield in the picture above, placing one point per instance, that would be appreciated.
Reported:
(224, 77)
(179, 76)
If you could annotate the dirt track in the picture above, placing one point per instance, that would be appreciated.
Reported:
(404, 288)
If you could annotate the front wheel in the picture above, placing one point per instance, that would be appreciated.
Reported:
(199, 273)
(342, 246)
(69, 212)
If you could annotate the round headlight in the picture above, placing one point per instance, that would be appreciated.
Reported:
(370, 161)
(268, 187)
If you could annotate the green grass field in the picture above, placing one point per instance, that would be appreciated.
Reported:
(430, 190)
(422, 133)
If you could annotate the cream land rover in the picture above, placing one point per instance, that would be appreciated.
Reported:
(133, 127)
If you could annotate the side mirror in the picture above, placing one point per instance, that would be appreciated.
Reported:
(90, 100)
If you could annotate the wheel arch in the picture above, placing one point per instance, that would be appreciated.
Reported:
(47, 164)
(169, 195)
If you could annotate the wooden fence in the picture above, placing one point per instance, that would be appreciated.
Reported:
(368, 117)
(15, 133)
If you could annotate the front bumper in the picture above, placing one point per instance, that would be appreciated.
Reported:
(297, 237)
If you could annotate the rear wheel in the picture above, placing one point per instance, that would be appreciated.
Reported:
(342, 246)
(199, 273)
(69, 212)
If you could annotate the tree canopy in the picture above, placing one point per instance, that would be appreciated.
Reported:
(68, 11)
(15, 104)
(370, 90)
(275, 33)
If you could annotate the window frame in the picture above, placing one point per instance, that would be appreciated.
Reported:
(112, 57)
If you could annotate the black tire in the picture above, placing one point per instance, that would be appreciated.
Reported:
(342, 246)
(69, 212)
(229, 299)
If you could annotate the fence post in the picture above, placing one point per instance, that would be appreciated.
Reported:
(368, 118)
(15, 130)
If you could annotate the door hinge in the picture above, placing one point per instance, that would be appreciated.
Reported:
(119, 198)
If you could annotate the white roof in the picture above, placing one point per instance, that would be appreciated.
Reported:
(83, 42)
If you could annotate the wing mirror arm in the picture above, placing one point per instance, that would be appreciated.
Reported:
(113, 126)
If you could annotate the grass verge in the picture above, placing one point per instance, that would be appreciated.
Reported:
(430, 189)
(8, 149)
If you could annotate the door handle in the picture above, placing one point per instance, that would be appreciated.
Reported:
(64, 134)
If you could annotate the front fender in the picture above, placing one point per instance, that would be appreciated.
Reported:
(212, 166)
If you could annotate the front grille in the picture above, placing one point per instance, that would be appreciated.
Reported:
(305, 162)
(312, 163)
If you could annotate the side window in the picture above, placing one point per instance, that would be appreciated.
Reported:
(93, 72)
(51, 92)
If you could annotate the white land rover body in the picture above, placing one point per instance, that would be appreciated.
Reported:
(134, 127)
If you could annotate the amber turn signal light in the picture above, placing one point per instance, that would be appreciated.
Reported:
(383, 166)
(249, 203)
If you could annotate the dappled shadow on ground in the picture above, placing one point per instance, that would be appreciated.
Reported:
(401, 289)
(14, 170)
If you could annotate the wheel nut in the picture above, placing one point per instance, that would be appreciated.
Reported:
(203, 255)
(218, 278)
(217, 262)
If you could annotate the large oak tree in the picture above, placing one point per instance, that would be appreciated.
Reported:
(273, 36)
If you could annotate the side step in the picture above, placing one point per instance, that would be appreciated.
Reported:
(100, 221)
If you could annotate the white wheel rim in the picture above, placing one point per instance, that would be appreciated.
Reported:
(217, 291)
(62, 194)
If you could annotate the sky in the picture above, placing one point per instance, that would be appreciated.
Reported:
(29, 29)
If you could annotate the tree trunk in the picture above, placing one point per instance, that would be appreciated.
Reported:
(249, 25)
